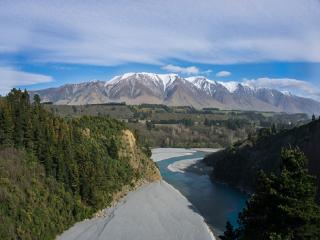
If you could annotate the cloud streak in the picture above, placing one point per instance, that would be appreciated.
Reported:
(10, 77)
(183, 70)
(223, 74)
(149, 31)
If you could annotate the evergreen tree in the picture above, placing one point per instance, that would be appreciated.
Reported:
(283, 206)
(273, 129)
(313, 118)
(74, 167)
(229, 233)
(206, 122)
(149, 125)
(36, 100)
(7, 127)
(113, 149)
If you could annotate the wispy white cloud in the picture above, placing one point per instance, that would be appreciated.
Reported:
(206, 72)
(10, 77)
(183, 70)
(150, 31)
(223, 74)
(295, 86)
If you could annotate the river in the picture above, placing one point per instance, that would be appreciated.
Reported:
(216, 202)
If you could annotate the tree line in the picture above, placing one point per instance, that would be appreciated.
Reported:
(75, 158)
(283, 206)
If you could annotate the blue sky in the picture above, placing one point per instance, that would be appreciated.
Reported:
(266, 43)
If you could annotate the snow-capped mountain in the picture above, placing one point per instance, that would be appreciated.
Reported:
(173, 90)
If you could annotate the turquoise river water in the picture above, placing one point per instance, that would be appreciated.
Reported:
(216, 202)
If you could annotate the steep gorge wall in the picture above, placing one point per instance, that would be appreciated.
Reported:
(143, 166)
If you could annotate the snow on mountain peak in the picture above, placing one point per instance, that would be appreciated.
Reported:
(233, 86)
(203, 84)
(200, 78)
(230, 86)
(287, 93)
(165, 79)
(139, 87)
(200, 82)
(192, 79)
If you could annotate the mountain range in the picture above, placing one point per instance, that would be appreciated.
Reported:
(174, 90)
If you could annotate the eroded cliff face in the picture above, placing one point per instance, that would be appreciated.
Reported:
(145, 169)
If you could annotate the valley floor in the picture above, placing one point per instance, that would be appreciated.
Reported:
(155, 211)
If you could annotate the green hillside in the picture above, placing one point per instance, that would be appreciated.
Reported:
(164, 126)
(55, 172)
(283, 206)
(239, 164)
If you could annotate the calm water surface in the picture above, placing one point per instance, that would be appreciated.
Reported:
(216, 202)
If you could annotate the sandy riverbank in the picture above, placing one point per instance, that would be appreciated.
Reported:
(159, 154)
(154, 211)
(192, 165)
(208, 150)
(181, 166)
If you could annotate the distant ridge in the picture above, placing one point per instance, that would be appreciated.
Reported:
(174, 90)
(239, 165)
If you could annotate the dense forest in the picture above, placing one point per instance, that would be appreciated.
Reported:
(164, 126)
(240, 164)
(283, 206)
(55, 171)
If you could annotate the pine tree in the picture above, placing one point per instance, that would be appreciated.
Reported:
(206, 122)
(273, 129)
(283, 206)
(36, 100)
(113, 149)
(2, 132)
(313, 118)
(74, 157)
(7, 127)
(229, 233)
(149, 125)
